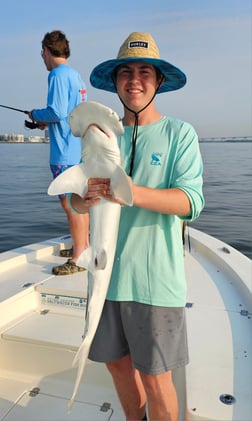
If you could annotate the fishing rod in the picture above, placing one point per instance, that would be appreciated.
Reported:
(28, 124)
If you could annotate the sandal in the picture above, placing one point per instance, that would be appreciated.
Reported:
(66, 252)
(67, 268)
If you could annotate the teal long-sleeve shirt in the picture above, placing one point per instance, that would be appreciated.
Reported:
(149, 262)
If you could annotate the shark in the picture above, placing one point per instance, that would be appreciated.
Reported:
(98, 126)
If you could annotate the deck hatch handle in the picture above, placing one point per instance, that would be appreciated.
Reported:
(244, 313)
(106, 406)
(34, 392)
(227, 399)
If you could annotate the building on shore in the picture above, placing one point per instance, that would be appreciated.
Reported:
(20, 138)
(12, 138)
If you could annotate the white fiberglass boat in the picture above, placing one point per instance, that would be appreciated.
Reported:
(42, 321)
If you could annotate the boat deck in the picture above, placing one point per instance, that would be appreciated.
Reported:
(40, 332)
(42, 320)
(219, 321)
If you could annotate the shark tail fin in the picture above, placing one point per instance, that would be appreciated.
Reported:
(80, 358)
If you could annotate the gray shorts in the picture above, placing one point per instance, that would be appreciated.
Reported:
(155, 337)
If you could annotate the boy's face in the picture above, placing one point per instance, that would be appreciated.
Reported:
(136, 84)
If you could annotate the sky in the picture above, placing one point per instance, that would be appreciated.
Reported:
(210, 40)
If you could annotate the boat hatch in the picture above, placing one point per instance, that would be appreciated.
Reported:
(37, 404)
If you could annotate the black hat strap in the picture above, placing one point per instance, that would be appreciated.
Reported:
(135, 128)
(133, 143)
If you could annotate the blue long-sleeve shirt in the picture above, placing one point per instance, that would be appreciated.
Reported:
(66, 90)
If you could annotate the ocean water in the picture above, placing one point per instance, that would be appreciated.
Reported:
(28, 214)
(228, 193)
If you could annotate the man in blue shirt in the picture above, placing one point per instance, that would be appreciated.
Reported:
(66, 90)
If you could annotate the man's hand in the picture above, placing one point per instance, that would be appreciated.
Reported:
(40, 124)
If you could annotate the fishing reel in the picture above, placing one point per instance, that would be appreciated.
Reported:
(28, 124)
(31, 124)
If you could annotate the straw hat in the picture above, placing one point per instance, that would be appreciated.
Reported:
(138, 47)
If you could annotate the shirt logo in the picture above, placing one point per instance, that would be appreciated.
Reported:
(156, 158)
(83, 94)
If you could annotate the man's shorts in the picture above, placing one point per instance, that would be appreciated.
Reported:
(155, 337)
(57, 170)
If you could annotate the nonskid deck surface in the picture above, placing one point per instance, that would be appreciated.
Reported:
(41, 327)
(42, 320)
(36, 371)
(46, 399)
(219, 321)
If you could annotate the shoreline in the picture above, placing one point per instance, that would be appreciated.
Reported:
(201, 140)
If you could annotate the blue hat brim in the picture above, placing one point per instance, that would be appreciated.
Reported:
(101, 75)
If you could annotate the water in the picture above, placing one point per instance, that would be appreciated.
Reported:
(228, 193)
(28, 214)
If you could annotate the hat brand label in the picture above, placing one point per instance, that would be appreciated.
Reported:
(138, 44)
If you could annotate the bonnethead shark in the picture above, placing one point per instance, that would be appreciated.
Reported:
(98, 126)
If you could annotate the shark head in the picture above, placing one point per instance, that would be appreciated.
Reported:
(93, 113)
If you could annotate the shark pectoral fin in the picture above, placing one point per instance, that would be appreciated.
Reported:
(73, 180)
(120, 186)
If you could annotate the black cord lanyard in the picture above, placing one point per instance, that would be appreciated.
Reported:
(135, 128)
(133, 142)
